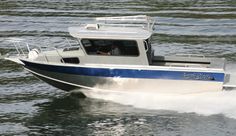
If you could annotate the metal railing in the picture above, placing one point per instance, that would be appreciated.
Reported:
(128, 21)
(23, 47)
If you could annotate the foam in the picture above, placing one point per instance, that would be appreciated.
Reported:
(208, 103)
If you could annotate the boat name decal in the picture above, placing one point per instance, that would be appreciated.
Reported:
(198, 76)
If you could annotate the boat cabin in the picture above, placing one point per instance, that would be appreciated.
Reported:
(115, 42)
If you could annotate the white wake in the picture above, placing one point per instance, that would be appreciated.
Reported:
(209, 103)
(206, 103)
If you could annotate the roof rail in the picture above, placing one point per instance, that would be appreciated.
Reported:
(146, 21)
(142, 18)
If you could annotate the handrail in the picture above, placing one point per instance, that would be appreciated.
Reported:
(45, 57)
(68, 42)
(141, 18)
(23, 48)
(128, 21)
(72, 42)
(59, 55)
(20, 43)
(16, 48)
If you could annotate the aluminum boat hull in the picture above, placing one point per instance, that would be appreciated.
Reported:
(70, 78)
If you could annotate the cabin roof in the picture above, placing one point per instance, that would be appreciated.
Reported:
(110, 32)
(128, 27)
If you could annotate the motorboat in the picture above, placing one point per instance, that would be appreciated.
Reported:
(115, 53)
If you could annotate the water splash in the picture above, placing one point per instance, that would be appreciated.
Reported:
(204, 103)
(208, 103)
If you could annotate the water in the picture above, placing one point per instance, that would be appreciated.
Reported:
(31, 107)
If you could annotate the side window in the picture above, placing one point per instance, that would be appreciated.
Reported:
(110, 47)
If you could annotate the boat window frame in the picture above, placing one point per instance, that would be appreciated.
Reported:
(70, 60)
(135, 41)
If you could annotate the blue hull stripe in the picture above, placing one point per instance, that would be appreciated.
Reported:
(129, 73)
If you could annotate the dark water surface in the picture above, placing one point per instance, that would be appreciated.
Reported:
(31, 107)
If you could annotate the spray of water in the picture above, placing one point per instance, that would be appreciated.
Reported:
(208, 103)
(204, 103)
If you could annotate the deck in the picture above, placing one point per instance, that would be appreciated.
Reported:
(183, 61)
